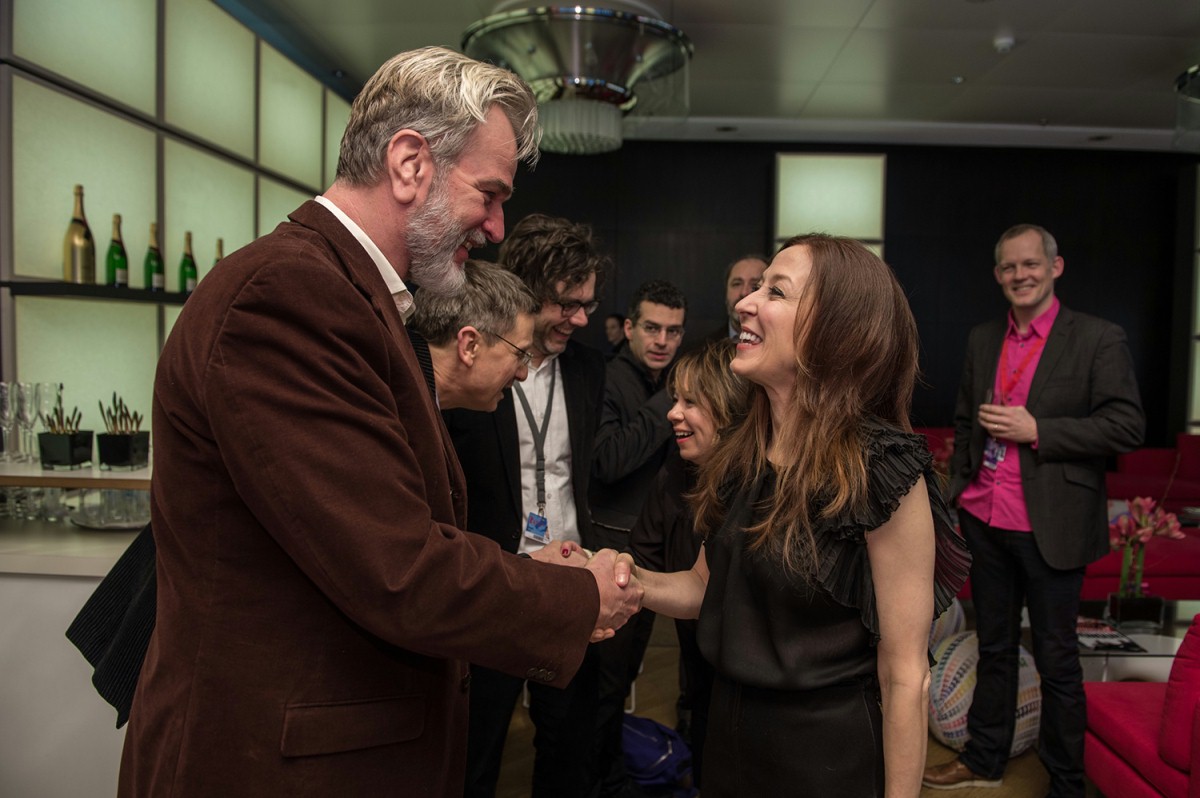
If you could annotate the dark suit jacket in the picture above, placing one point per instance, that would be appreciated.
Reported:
(1085, 399)
(488, 444)
(317, 601)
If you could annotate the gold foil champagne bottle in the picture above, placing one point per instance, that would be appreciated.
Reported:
(79, 248)
(220, 251)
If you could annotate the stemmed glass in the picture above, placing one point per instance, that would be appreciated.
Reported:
(8, 416)
(27, 416)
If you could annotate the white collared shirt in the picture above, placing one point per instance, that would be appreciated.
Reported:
(561, 519)
(396, 287)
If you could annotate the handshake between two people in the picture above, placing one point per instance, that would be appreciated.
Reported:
(620, 590)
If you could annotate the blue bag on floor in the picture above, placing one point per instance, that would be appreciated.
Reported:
(657, 758)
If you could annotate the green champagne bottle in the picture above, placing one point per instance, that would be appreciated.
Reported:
(116, 262)
(156, 276)
(79, 249)
(187, 266)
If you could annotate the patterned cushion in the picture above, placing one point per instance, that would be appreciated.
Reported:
(950, 622)
(953, 687)
(1180, 705)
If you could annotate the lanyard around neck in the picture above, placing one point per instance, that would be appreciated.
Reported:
(539, 435)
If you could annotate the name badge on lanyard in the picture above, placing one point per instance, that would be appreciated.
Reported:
(536, 528)
(993, 453)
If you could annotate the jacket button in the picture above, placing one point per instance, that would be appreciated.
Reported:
(550, 676)
(532, 673)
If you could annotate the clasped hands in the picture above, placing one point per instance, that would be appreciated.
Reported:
(616, 579)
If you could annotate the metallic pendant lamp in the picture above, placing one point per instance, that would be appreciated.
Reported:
(588, 67)
(1187, 110)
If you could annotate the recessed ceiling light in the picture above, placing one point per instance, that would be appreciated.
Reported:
(958, 80)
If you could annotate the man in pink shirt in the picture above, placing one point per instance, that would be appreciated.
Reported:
(1046, 396)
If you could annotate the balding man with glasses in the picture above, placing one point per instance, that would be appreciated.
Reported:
(527, 466)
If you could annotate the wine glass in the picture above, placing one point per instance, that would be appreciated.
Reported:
(27, 416)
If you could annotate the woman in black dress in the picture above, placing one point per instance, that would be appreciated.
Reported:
(828, 550)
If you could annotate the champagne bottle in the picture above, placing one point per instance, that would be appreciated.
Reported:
(79, 249)
(116, 262)
(156, 276)
(187, 266)
(220, 251)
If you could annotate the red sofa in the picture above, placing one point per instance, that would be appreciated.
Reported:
(1172, 566)
(1143, 738)
(1169, 476)
(1172, 570)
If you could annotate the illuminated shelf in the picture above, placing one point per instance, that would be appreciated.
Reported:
(84, 291)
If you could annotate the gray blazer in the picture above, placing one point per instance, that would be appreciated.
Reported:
(1085, 398)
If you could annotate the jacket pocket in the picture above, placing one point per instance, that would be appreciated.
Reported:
(314, 729)
(1082, 475)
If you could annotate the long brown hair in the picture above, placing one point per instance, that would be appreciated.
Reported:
(856, 358)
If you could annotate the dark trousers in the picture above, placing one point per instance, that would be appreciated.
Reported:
(563, 720)
(617, 662)
(1007, 571)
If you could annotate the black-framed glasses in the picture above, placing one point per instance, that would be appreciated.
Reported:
(570, 307)
(674, 332)
(523, 355)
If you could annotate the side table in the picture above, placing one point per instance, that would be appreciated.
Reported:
(1151, 665)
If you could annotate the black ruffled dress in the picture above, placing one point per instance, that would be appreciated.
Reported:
(795, 710)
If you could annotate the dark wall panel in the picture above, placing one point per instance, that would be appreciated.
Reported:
(682, 210)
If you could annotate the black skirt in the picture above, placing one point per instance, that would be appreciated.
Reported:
(804, 743)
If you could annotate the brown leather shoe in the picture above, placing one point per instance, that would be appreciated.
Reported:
(954, 775)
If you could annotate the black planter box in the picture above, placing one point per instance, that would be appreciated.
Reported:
(1136, 613)
(65, 451)
(123, 451)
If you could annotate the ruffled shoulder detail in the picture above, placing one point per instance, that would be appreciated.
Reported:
(895, 460)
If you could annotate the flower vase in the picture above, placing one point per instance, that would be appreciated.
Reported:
(1135, 614)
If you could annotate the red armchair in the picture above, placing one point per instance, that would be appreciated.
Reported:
(1143, 738)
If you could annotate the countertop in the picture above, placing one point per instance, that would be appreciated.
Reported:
(32, 475)
(59, 548)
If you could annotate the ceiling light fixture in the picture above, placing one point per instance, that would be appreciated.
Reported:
(1187, 110)
(588, 67)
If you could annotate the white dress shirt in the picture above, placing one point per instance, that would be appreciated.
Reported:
(562, 522)
(399, 291)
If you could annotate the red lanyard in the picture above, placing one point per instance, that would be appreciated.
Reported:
(1007, 385)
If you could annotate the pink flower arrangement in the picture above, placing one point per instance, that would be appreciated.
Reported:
(1131, 532)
